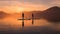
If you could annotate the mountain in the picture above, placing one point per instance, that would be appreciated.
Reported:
(52, 14)
(3, 14)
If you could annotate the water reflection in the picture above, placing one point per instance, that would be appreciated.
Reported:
(12, 24)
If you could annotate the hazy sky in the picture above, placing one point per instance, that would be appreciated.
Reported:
(12, 6)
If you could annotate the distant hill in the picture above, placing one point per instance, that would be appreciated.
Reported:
(3, 14)
(52, 14)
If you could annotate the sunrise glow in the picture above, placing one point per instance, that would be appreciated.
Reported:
(19, 6)
(30, 16)
(20, 9)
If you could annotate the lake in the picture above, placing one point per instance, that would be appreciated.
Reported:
(11, 24)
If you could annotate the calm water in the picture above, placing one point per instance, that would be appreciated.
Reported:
(11, 23)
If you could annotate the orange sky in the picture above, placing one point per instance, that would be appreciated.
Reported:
(26, 5)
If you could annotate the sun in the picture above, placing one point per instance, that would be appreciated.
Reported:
(20, 9)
